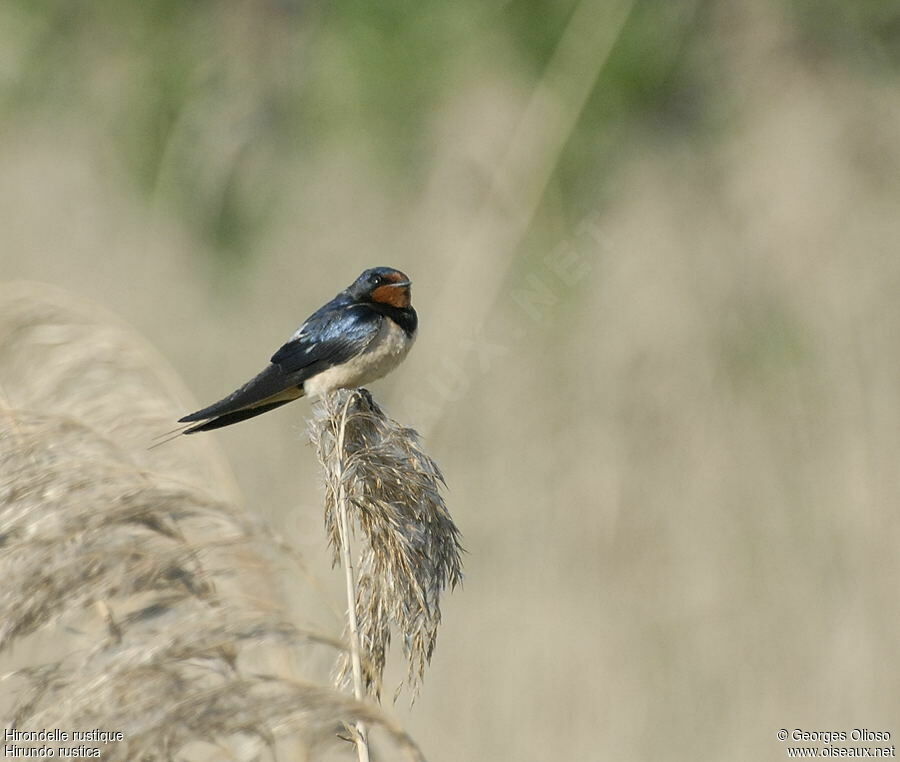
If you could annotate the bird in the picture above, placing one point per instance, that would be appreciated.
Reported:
(359, 336)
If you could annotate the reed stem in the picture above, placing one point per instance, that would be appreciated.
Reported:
(362, 743)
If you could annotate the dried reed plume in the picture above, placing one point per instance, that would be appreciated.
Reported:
(410, 551)
(133, 586)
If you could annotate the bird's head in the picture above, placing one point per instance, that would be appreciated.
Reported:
(382, 285)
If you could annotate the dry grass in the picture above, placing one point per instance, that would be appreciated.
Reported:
(148, 582)
(411, 548)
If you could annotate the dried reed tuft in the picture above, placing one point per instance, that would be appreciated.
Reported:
(127, 585)
(411, 549)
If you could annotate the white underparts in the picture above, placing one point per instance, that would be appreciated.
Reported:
(384, 353)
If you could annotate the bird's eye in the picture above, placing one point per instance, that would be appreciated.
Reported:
(377, 280)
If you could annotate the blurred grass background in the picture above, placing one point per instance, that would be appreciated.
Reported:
(655, 253)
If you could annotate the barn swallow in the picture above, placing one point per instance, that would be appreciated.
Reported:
(359, 336)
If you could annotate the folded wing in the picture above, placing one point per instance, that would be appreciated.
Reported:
(329, 337)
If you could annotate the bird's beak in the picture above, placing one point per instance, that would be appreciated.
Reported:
(400, 283)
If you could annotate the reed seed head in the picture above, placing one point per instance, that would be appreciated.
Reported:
(410, 551)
